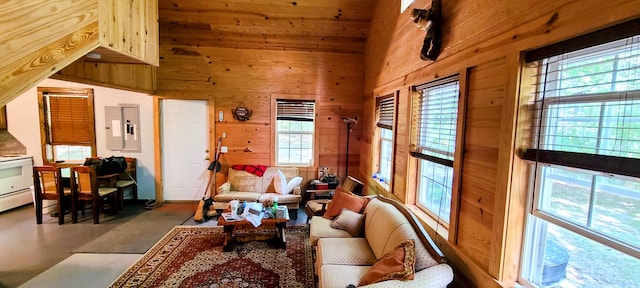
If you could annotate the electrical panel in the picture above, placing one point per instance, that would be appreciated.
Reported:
(122, 126)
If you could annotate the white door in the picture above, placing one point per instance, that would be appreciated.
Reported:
(185, 145)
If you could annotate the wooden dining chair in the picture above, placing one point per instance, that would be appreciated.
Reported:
(84, 188)
(47, 185)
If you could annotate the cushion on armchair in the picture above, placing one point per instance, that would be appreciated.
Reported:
(224, 188)
(349, 221)
(398, 264)
(344, 199)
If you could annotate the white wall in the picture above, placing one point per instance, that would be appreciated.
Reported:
(23, 123)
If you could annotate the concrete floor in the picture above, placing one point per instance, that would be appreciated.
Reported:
(28, 249)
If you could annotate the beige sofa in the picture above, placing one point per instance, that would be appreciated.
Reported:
(343, 260)
(245, 186)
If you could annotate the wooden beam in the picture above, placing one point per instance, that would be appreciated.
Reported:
(22, 74)
(131, 77)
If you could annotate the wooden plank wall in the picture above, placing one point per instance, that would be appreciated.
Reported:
(483, 39)
(40, 37)
(129, 29)
(255, 77)
(132, 77)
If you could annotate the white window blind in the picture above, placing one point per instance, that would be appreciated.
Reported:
(295, 110)
(385, 110)
(588, 102)
(584, 144)
(436, 121)
(295, 132)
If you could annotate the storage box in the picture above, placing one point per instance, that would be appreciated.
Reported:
(322, 186)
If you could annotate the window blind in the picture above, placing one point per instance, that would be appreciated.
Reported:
(585, 107)
(385, 109)
(436, 119)
(295, 110)
(68, 118)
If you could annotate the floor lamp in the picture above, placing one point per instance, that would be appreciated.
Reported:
(350, 121)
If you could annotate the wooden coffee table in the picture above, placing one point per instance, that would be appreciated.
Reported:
(230, 227)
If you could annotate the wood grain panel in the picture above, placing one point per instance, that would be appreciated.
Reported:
(27, 26)
(40, 37)
(313, 26)
(480, 176)
(254, 78)
(484, 37)
(473, 236)
(139, 78)
(352, 9)
(130, 28)
(479, 166)
(518, 28)
(22, 74)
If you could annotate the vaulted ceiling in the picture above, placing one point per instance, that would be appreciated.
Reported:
(302, 25)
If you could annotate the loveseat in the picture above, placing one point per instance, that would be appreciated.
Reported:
(344, 260)
(244, 186)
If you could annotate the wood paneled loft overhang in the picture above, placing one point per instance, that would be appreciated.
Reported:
(192, 32)
(41, 37)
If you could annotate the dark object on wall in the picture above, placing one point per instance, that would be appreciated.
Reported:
(430, 21)
(241, 113)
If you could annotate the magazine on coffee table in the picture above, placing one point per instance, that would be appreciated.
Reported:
(253, 213)
(230, 217)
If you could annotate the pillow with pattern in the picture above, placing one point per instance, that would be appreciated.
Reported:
(398, 264)
(349, 221)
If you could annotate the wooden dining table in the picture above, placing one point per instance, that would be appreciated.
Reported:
(108, 180)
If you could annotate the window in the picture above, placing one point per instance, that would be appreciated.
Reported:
(583, 228)
(434, 144)
(295, 132)
(385, 110)
(67, 124)
(404, 4)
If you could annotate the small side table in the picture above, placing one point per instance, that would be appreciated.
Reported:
(328, 193)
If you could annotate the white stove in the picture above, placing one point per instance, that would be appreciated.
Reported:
(13, 157)
(16, 178)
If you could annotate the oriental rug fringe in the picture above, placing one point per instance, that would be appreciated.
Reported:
(192, 257)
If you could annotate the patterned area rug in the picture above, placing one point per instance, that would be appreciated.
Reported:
(193, 257)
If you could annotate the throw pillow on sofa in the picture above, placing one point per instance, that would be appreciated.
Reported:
(398, 264)
(280, 183)
(224, 188)
(349, 221)
(344, 199)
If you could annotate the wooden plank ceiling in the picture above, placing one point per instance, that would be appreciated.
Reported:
(300, 25)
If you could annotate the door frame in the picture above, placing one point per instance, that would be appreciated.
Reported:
(157, 137)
